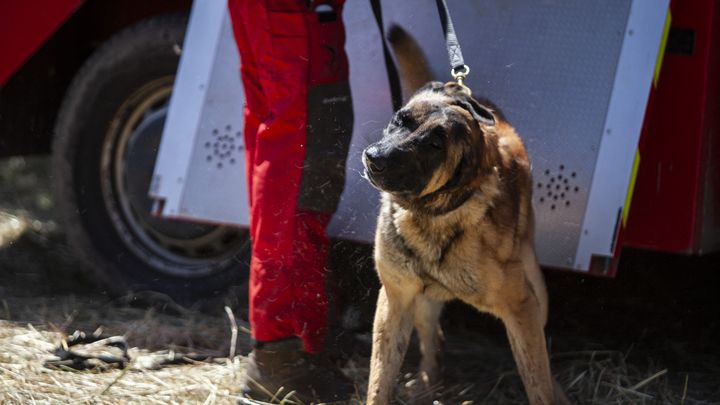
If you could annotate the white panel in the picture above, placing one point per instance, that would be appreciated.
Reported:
(216, 189)
(622, 129)
(197, 96)
(552, 66)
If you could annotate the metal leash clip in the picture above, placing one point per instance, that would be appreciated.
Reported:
(459, 70)
(459, 73)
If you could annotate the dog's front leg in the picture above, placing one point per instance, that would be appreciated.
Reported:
(427, 324)
(391, 333)
(524, 323)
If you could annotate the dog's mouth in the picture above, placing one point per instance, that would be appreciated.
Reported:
(380, 180)
(381, 184)
(366, 175)
(386, 178)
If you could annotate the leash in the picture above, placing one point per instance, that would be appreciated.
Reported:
(459, 69)
(390, 68)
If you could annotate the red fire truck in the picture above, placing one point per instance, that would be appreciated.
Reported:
(91, 82)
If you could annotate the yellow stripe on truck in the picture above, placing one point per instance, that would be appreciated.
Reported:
(661, 51)
(631, 187)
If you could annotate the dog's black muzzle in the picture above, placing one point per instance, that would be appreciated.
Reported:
(375, 161)
(393, 169)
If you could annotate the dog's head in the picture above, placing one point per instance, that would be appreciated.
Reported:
(433, 145)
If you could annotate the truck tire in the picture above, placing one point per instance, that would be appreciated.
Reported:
(105, 144)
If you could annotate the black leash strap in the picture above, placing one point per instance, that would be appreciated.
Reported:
(392, 72)
(459, 69)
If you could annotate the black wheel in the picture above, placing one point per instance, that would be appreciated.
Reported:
(106, 140)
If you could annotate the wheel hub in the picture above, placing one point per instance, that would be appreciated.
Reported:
(174, 247)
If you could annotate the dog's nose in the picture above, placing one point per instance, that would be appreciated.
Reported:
(375, 161)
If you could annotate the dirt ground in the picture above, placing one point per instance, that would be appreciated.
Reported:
(650, 336)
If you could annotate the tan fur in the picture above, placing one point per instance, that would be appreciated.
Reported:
(481, 252)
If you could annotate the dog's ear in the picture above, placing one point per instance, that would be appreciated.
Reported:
(481, 113)
(463, 98)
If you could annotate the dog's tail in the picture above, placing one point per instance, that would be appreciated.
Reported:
(413, 66)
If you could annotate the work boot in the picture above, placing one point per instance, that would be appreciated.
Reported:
(277, 369)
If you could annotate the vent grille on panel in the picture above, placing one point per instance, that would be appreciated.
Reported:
(556, 189)
(223, 147)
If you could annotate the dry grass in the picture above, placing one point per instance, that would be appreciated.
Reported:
(24, 379)
(589, 377)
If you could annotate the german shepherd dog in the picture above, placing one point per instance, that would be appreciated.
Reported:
(456, 222)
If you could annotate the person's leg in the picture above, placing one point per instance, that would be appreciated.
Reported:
(311, 248)
(328, 129)
(274, 155)
(291, 195)
(297, 167)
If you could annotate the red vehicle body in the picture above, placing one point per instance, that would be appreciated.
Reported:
(43, 43)
(675, 206)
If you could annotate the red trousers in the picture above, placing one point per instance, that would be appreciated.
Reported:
(298, 118)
